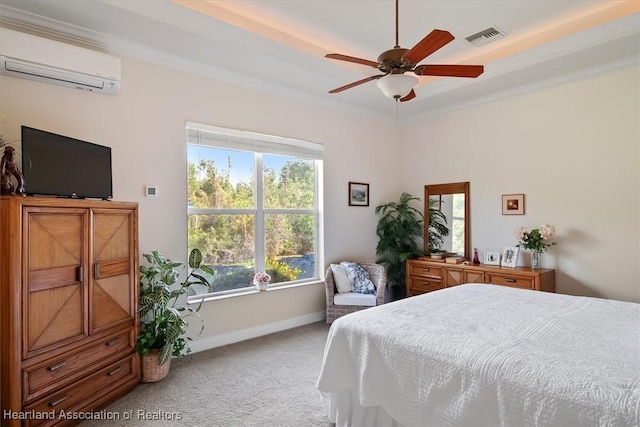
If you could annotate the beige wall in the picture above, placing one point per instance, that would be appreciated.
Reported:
(144, 125)
(573, 150)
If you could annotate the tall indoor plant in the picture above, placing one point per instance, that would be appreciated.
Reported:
(163, 318)
(399, 229)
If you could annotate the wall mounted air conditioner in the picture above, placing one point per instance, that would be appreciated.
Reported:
(36, 58)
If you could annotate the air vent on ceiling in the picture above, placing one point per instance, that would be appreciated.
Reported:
(486, 36)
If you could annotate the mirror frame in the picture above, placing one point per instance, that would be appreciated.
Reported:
(449, 188)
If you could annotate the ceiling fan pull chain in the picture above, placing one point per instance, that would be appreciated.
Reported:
(397, 113)
(397, 40)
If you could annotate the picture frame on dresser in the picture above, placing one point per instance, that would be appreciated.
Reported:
(510, 257)
(492, 258)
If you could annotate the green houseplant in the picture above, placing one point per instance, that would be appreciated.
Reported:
(163, 319)
(399, 229)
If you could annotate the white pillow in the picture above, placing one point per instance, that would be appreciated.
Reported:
(340, 278)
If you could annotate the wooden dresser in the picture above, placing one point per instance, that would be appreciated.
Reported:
(427, 275)
(68, 307)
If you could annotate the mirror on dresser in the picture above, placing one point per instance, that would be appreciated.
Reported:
(452, 199)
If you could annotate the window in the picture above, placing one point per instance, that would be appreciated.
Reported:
(254, 204)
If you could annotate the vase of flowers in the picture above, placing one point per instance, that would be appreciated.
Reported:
(261, 281)
(536, 240)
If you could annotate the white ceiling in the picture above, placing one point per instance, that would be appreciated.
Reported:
(279, 45)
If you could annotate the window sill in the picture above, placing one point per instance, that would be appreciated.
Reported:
(249, 291)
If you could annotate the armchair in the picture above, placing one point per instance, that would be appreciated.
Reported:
(377, 275)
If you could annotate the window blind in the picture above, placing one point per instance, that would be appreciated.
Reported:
(233, 139)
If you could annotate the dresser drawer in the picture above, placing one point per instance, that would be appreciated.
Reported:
(61, 370)
(473, 277)
(66, 398)
(417, 269)
(420, 285)
(512, 280)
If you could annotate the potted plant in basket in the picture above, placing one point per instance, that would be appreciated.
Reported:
(163, 319)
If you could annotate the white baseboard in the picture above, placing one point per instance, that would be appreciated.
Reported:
(258, 331)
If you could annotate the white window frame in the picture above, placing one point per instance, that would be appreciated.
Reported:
(260, 144)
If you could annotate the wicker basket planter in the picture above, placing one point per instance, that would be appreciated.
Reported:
(152, 370)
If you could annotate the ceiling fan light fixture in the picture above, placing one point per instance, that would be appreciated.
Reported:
(396, 86)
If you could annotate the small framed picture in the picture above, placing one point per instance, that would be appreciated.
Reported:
(492, 258)
(358, 194)
(510, 256)
(513, 204)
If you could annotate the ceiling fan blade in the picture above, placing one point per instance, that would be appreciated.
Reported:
(409, 96)
(425, 47)
(354, 84)
(449, 70)
(340, 57)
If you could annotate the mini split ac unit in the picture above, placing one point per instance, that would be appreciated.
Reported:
(36, 58)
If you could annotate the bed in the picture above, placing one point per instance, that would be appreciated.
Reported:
(485, 355)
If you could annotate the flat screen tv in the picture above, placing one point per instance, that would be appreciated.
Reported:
(61, 166)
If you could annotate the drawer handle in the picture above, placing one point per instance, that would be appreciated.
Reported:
(96, 270)
(56, 366)
(113, 342)
(115, 371)
(80, 272)
(425, 269)
(509, 279)
(58, 401)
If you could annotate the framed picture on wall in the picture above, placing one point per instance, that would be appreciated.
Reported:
(513, 204)
(510, 256)
(358, 194)
(492, 258)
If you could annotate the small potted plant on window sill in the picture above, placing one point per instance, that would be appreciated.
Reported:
(163, 319)
(261, 281)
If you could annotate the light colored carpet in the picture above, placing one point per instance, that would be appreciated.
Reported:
(266, 381)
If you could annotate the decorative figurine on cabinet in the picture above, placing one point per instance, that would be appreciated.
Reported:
(9, 168)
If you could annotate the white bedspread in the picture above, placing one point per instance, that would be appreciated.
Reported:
(486, 355)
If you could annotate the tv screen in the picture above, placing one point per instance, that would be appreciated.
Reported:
(58, 165)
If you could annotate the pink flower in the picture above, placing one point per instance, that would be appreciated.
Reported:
(537, 239)
(547, 231)
(520, 233)
(261, 277)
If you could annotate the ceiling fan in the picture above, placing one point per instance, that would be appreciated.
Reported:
(394, 63)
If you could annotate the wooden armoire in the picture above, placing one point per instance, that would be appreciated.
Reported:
(68, 307)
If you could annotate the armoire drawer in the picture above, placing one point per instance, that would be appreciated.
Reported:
(68, 397)
(61, 370)
(512, 280)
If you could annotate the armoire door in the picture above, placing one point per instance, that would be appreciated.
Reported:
(54, 297)
(113, 268)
